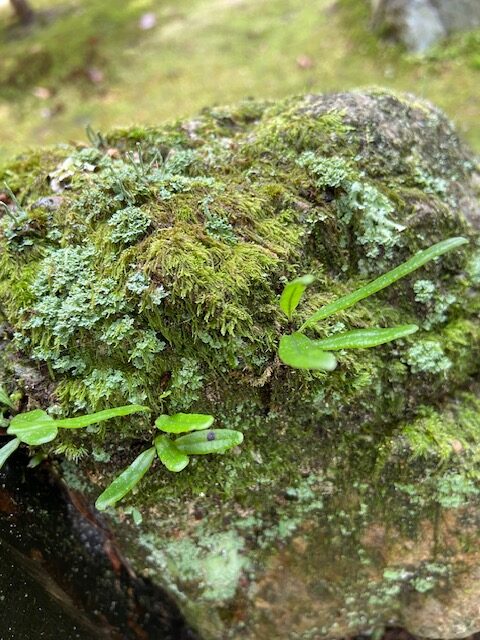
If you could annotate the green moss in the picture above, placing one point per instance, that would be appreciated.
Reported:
(78, 25)
(157, 277)
(447, 433)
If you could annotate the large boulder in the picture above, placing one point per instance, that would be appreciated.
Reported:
(419, 24)
(147, 266)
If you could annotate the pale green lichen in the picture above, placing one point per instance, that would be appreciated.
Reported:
(328, 171)
(424, 179)
(361, 205)
(424, 290)
(214, 562)
(427, 356)
(454, 490)
(372, 213)
(187, 381)
(128, 225)
(436, 303)
(473, 268)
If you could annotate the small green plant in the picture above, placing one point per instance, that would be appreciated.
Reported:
(301, 352)
(37, 427)
(174, 454)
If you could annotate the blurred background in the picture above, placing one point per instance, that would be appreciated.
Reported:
(74, 62)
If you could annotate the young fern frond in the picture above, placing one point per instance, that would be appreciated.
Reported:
(127, 480)
(414, 263)
(292, 294)
(365, 338)
(300, 352)
(173, 454)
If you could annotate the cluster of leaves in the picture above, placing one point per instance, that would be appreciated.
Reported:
(174, 454)
(301, 352)
(36, 427)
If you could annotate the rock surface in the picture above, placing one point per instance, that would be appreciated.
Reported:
(353, 502)
(419, 24)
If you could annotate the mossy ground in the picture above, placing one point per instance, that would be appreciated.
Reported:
(204, 52)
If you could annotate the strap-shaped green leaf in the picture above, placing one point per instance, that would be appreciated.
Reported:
(415, 262)
(7, 450)
(292, 294)
(5, 398)
(33, 427)
(174, 459)
(127, 480)
(84, 421)
(300, 352)
(212, 441)
(184, 422)
(365, 338)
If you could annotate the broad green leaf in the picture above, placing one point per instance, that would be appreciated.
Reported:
(212, 441)
(300, 352)
(127, 480)
(183, 422)
(365, 338)
(33, 427)
(5, 398)
(292, 294)
(7, 450)
(100, 416)
(415, 262)
(169, 455)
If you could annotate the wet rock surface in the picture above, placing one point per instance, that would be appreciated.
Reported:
(62, 573)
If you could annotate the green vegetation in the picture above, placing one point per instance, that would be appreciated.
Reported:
(145, 266)
(115, 285)
(172, 453)
(98, 66)
(182, 315)
(299, 351)
(38, 427)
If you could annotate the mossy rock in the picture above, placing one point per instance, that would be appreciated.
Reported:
(147, 268)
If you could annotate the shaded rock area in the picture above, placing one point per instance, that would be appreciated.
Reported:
(419, 24)
(62, 574)
(353, 504)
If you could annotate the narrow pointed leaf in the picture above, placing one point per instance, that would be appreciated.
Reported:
(127, 480)
(5, 398)
(100, 416)
(184, 422)
(292, 294)
(7, 450)
(33, 428)
(365, 338)
(415, 262)
(212, 441)
(174, 459)
(300, 352)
